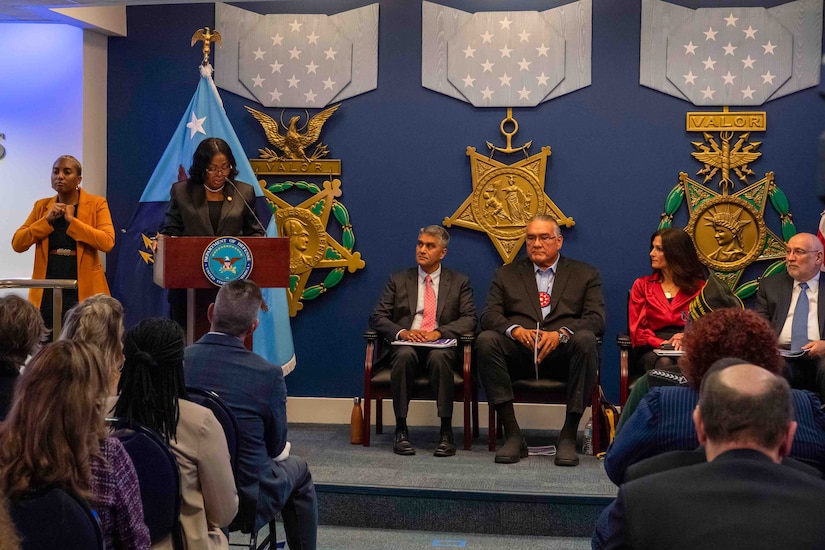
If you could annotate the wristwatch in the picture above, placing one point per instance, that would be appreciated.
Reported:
(563, 337)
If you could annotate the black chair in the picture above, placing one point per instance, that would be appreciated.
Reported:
(158, 475)
(55, 518)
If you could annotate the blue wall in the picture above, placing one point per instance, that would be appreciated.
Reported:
(617, 149)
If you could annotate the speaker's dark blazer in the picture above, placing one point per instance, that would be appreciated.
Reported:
(455, 310)
(576, 301)
(773, 300)
(188, 213)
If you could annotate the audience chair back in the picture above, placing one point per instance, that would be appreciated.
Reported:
(54, 518)
(158, 475)
(224, 415)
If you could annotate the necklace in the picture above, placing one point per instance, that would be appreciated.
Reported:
(669, 291)
(218, 190)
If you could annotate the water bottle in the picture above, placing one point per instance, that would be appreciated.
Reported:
(587, 446)
(356, 426)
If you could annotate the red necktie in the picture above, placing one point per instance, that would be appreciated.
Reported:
(428, 319)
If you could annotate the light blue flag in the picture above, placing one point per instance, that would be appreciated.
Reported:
(204, 117)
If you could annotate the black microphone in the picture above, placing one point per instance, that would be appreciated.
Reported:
(254, 215)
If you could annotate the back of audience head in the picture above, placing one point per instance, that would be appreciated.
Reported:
(152, 379)
(22, 330)
(235, 311)
(55, 422)
(728, 333)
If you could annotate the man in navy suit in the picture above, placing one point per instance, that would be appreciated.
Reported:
(268, 477)
(557, 301)
(778, 300)
(405, 313)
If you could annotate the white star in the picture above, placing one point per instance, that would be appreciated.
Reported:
(690, 48)
(275, 95)
(276, 67)
(195, 125)
(295, 26)
(710, 34)
(310, 97)
(487, 93)
(328, 83)
(277, 39)
(731, 20)
(729, 49)
(524, 93)
(311, 67)
(690, 78)
(707, 93)
(542, 50)
(313, 38)
(542, 79)
(767, 78)
(259, 82)
(469, 52)
(709, 64)
(524, 65)
(769, 48)
(259, 53)
(524, 36)
(330, 53)
(505, 23)
(505, 80)
(488, 67)
(750, 32)
(505, 51)
(728, 78)
(747, 93)
(486, 38)
(293, 82)
(294, 53)
(748, 62)
(468, 81)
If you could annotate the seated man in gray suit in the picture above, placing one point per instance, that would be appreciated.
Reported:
(799, 324)
(268, 478)
(420, 305)
(552, 300)
(742, 497)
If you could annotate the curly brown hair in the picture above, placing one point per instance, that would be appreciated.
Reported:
(728, 333)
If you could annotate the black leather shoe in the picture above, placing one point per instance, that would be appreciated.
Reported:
(566, 453)
(446, 445)
(402, 445)
(512, 451)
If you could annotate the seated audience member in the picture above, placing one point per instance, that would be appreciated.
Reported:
(98, 320)
(741, 497)
(659, 302)
(153, 393)
(405, 313)
(22, 331)
(542, 317)
(662, 422)
(255, 391)
(54, 435)
(799, 324)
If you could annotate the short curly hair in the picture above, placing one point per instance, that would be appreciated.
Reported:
(728, 333)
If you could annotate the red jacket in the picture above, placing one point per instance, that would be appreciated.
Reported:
(649, 310)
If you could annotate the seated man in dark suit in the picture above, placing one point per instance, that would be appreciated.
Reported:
(560, 297)
(742, 497)
(268, 477)
(420, 305)
(799, 324)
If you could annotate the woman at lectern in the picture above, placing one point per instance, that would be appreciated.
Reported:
(68, 230)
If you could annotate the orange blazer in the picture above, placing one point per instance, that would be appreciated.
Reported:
(92, 229)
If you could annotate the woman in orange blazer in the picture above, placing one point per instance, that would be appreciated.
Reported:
(68, 230)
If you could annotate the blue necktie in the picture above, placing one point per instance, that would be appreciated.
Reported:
(799, 323)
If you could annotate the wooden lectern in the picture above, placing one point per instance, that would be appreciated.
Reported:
(179, 264)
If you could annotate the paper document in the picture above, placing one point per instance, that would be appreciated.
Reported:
(440, 343)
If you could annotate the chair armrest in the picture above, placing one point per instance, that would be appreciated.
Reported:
(370, 334)
(468, 338)
(623, 341)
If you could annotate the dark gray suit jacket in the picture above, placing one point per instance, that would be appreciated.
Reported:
(773, 300)
(188, 214)
(576, 301)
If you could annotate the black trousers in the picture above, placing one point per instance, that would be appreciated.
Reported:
(407, 362)
(806, 373)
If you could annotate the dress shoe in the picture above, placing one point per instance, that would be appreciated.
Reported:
(566, 453)
(512, 451)
(446, 445)
(402, 445)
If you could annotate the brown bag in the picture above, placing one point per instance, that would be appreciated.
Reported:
(610, 419)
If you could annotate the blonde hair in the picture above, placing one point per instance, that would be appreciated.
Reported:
(98, 320)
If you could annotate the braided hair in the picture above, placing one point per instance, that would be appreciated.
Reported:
(152, 379)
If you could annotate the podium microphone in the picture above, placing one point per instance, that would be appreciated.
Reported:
(252, 210)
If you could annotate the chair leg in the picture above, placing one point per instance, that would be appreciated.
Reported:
(367, 421)
(475, 410)
(379, 416)
(491, 429)
(468, 442)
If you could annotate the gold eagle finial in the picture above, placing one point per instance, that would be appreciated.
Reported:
(207, 37)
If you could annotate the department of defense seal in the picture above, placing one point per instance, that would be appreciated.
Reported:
(226, 259)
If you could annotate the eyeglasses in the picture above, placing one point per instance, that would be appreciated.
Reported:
(544, 238)
(225, 169)
(797, 252)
